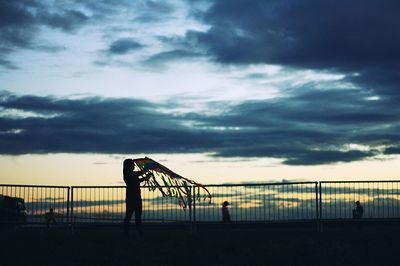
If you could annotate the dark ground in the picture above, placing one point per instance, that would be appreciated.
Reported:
(244, 245)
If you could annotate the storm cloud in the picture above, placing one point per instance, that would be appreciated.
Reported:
(286, 128)
(357, 38)
(92, 125)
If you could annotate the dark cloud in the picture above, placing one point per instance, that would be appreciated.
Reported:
(15, 24)
(7, 64)
(151, 18)
(298, 156)
(308, 33)
(161, 7)
(353, 37)
(326, 157)
(393, 150)
(67, 20)
(21, 21)
(311, 127)
(94, 125)
(16, 12)
(160, 59)
(298, 129)
(154, 12)
(143, 12)
(124, 46)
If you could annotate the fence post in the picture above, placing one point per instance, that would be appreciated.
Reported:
(68, 206)
(317, 206)
(72, 220)
(320, 224)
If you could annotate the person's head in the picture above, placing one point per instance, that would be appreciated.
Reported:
(129, 165)
(225, 204)
(51, 210)
(357, 202)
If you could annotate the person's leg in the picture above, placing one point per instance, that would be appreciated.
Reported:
(138, 219)
(128, 215)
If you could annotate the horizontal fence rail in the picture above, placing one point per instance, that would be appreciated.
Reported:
(248, 203)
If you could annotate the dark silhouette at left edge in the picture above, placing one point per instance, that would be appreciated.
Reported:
(133, 199)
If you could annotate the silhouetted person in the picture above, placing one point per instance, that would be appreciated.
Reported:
(133, 197)
(50, 217)
(358, 211)
(226, 217)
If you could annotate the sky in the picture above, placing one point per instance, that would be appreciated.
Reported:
(219, 91)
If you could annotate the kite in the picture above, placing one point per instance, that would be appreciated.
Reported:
(169, 183)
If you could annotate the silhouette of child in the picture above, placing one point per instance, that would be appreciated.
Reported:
(50, 217)
(358, 211)
(226, 217)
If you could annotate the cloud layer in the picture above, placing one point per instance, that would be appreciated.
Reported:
(345, 120)
(22, 20)
(300, 130)
(358, 38)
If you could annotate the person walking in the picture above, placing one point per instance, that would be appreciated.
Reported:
(226, 217)
(358, 211)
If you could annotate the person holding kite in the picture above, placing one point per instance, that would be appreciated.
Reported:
(156, 176)
(133, 196)
(170, 184)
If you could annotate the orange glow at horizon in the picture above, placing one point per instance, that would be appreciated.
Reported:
(99, 169)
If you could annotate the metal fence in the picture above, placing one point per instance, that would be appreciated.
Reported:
(39, 200)
(380, 199)
(301, 201)
(260, 202)
(106, 204)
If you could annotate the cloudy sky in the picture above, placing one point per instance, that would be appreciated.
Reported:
(220, 91)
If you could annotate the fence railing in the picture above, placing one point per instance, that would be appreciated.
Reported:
(260, 202)
(106, 204)
(38, 201)
(300, 201)
(380, 199)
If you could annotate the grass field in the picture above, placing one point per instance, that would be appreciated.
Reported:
(234, 246)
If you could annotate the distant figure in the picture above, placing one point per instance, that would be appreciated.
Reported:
(50, 217)
(358, 211)
(133, 197)
(226, 217)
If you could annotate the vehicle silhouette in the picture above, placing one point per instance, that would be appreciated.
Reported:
(12, 210)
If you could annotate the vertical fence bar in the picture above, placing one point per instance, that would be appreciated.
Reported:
(316, 202)
(68, 206)
(190, 200)
(320, 200)
(72, 219)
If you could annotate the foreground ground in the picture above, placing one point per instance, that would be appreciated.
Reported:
(213, 246)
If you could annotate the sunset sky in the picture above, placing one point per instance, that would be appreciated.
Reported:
(219, 91)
